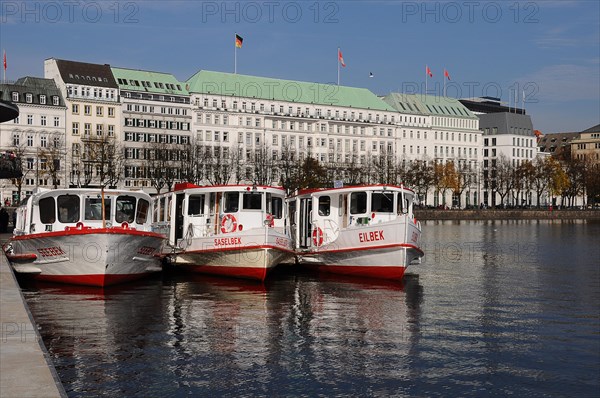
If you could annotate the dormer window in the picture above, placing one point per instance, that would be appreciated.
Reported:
(42, 99)
(28, 98)
(15, 96)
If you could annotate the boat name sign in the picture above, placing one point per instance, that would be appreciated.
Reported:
(372, 236)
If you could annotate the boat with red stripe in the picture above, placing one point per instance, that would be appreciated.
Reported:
(367, 231)
(229, 230)
(84, 236)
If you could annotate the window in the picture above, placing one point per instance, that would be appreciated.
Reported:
(324, 205)
(15, 96)
(28, 98)
(42, 99)
(29, 140)
(47, 210)
(232, 202)
(43, 141)
(87, 128)
(382, 202)
(93, 209)
(277, 208)
(56, 121)
(16, 139)
(29, 119)
(252, 201)
(75, 109)
(43, 120)
(125, 209)
(111, 130)
(358, 203)
(99, 111)
(87, 110)
(68, 208)
(55, 100)
(196, 205)
(142, 211)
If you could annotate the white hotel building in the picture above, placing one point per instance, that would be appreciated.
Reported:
(229, 112)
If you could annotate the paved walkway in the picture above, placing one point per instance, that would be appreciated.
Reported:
(25, 368)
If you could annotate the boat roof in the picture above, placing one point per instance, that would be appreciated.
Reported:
(225, 188)
(376, 187)
(86, 191)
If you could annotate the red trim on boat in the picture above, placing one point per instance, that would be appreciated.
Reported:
(90, 231)
(352, 249)
(26, 257)
(350, 187)
(238, 248)
(254, 273)
(98, 280)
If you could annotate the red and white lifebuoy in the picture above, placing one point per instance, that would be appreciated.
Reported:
(124, 225)
(79, 225)
(317, 236)
(228, 224)
(270, 220)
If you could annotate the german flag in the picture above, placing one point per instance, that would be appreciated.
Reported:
(238, 41)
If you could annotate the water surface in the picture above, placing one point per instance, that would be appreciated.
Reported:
(497, 308)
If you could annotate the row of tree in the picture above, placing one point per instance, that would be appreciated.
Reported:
(102, 161)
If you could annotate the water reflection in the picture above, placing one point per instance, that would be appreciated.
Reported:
(204, 335)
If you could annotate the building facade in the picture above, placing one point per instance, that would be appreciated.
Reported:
(36, 136)
(156, 125)
(93, 120)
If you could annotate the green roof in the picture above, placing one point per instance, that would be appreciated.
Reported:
(229, 84)
(429, 105)
(150, 82)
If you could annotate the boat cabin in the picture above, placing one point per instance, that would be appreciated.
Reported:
(319, 214)
(191, 211)
(59, 210)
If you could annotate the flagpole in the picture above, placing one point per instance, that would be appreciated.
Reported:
(444, 77)
(338, 64)
(235, 53)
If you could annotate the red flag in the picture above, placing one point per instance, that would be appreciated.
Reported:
(341, 58)
(428, 71)
(446, 74)
(5, 60)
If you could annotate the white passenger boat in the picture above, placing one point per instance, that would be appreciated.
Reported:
(366, 231)
(239, 231)
(63, 235)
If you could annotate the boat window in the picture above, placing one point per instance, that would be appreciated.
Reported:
(155, 207)
(68, 208)
(252, 201)
(196, 205)
(358, 203)
(382, 202)
(93, 208)
(125, 209)
(232, 202)
(161, 209)
(47, 210)
(341, 205)
(402, 206)
(142, 211)
(324, 205)
(277, 208)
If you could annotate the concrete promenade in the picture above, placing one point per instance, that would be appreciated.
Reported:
(25, 367)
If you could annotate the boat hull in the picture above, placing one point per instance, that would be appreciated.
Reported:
(244, 255)
(93, 257)
(387, 262)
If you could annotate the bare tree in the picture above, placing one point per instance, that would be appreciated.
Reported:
(505, 177)
(54, 155)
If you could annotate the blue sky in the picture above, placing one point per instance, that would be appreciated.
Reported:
(550, 49)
